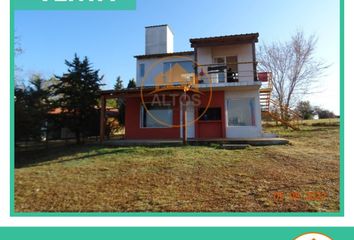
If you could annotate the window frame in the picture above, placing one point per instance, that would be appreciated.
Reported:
(142, 110)
(141, 70)
(209, 120)
(170, 63)
(228, 113)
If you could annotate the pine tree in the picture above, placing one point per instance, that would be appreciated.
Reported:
(131, 83)
(119, 84)
(31, 109)
(77, 94)
(120, 102)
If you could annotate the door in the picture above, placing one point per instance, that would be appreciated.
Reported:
(190, 120)
(232, 69)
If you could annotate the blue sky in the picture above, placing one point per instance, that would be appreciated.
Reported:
(111, 38)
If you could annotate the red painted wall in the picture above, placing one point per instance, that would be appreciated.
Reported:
(212, 129)
(132, 123)
(203, 129)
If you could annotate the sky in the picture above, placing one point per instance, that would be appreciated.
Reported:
(111, 39)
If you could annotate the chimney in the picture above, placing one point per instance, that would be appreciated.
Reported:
(158, 39)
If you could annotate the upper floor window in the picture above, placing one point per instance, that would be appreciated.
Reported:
(178, 72)
(141, 69)
(226, 69)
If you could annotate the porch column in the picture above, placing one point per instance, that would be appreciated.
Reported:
(102, 118)
(184, 109)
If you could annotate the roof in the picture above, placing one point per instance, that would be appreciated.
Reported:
(160, 25)
(160, 55)
(224, 40)
(59, 110)
(125, 90)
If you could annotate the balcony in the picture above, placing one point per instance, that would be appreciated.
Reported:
(223, 73)
(229, 74)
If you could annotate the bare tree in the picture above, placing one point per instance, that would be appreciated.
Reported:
(294, 67)
(18, 51)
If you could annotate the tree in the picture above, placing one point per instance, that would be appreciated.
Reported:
(323, 113)
(18, 51)
(294, 68)
(77, 93)
(31, 109)
(119, 84)
(305, 109)
(131, 83)
(120, 101)
(22, 122)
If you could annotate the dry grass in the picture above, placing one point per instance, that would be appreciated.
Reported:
(203, 179)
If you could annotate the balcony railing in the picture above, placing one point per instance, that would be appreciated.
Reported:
(226, 73)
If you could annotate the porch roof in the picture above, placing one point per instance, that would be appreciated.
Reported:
(114, 93)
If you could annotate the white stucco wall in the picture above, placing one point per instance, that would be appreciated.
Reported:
(244, 131)
(243, 52)
(169, 40)
(154, 66)
(158, 39)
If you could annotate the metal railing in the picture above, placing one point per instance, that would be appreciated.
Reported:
(226, 73)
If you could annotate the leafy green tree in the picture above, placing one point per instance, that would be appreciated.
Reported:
(77, 93)
(131, 83)
(305, 109)
(324, 113)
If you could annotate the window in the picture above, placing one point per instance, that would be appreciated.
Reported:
(219, 76)
(211, 114)
(178, 72)
(219, 60)
(227, 69)
(157, 117)
(232, 69)
(142, 69)
(241, 112)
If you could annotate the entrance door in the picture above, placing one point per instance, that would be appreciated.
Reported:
(190, 120)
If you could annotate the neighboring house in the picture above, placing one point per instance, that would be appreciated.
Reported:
(223, 66)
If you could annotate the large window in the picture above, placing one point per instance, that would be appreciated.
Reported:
(240, 112)
(211, 114)
(178, 72)
(157, 116)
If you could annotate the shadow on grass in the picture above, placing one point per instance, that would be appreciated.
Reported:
(33, 157)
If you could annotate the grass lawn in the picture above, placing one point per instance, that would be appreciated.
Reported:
(302, 176)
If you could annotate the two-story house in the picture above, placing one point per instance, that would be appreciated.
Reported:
(211, 92)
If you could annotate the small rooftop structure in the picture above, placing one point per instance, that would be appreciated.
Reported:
(158, 39)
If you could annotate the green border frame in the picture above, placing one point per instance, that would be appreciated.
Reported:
(27, 6)
(173, 233)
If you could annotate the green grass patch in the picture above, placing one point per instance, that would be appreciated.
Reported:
(183, 178)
